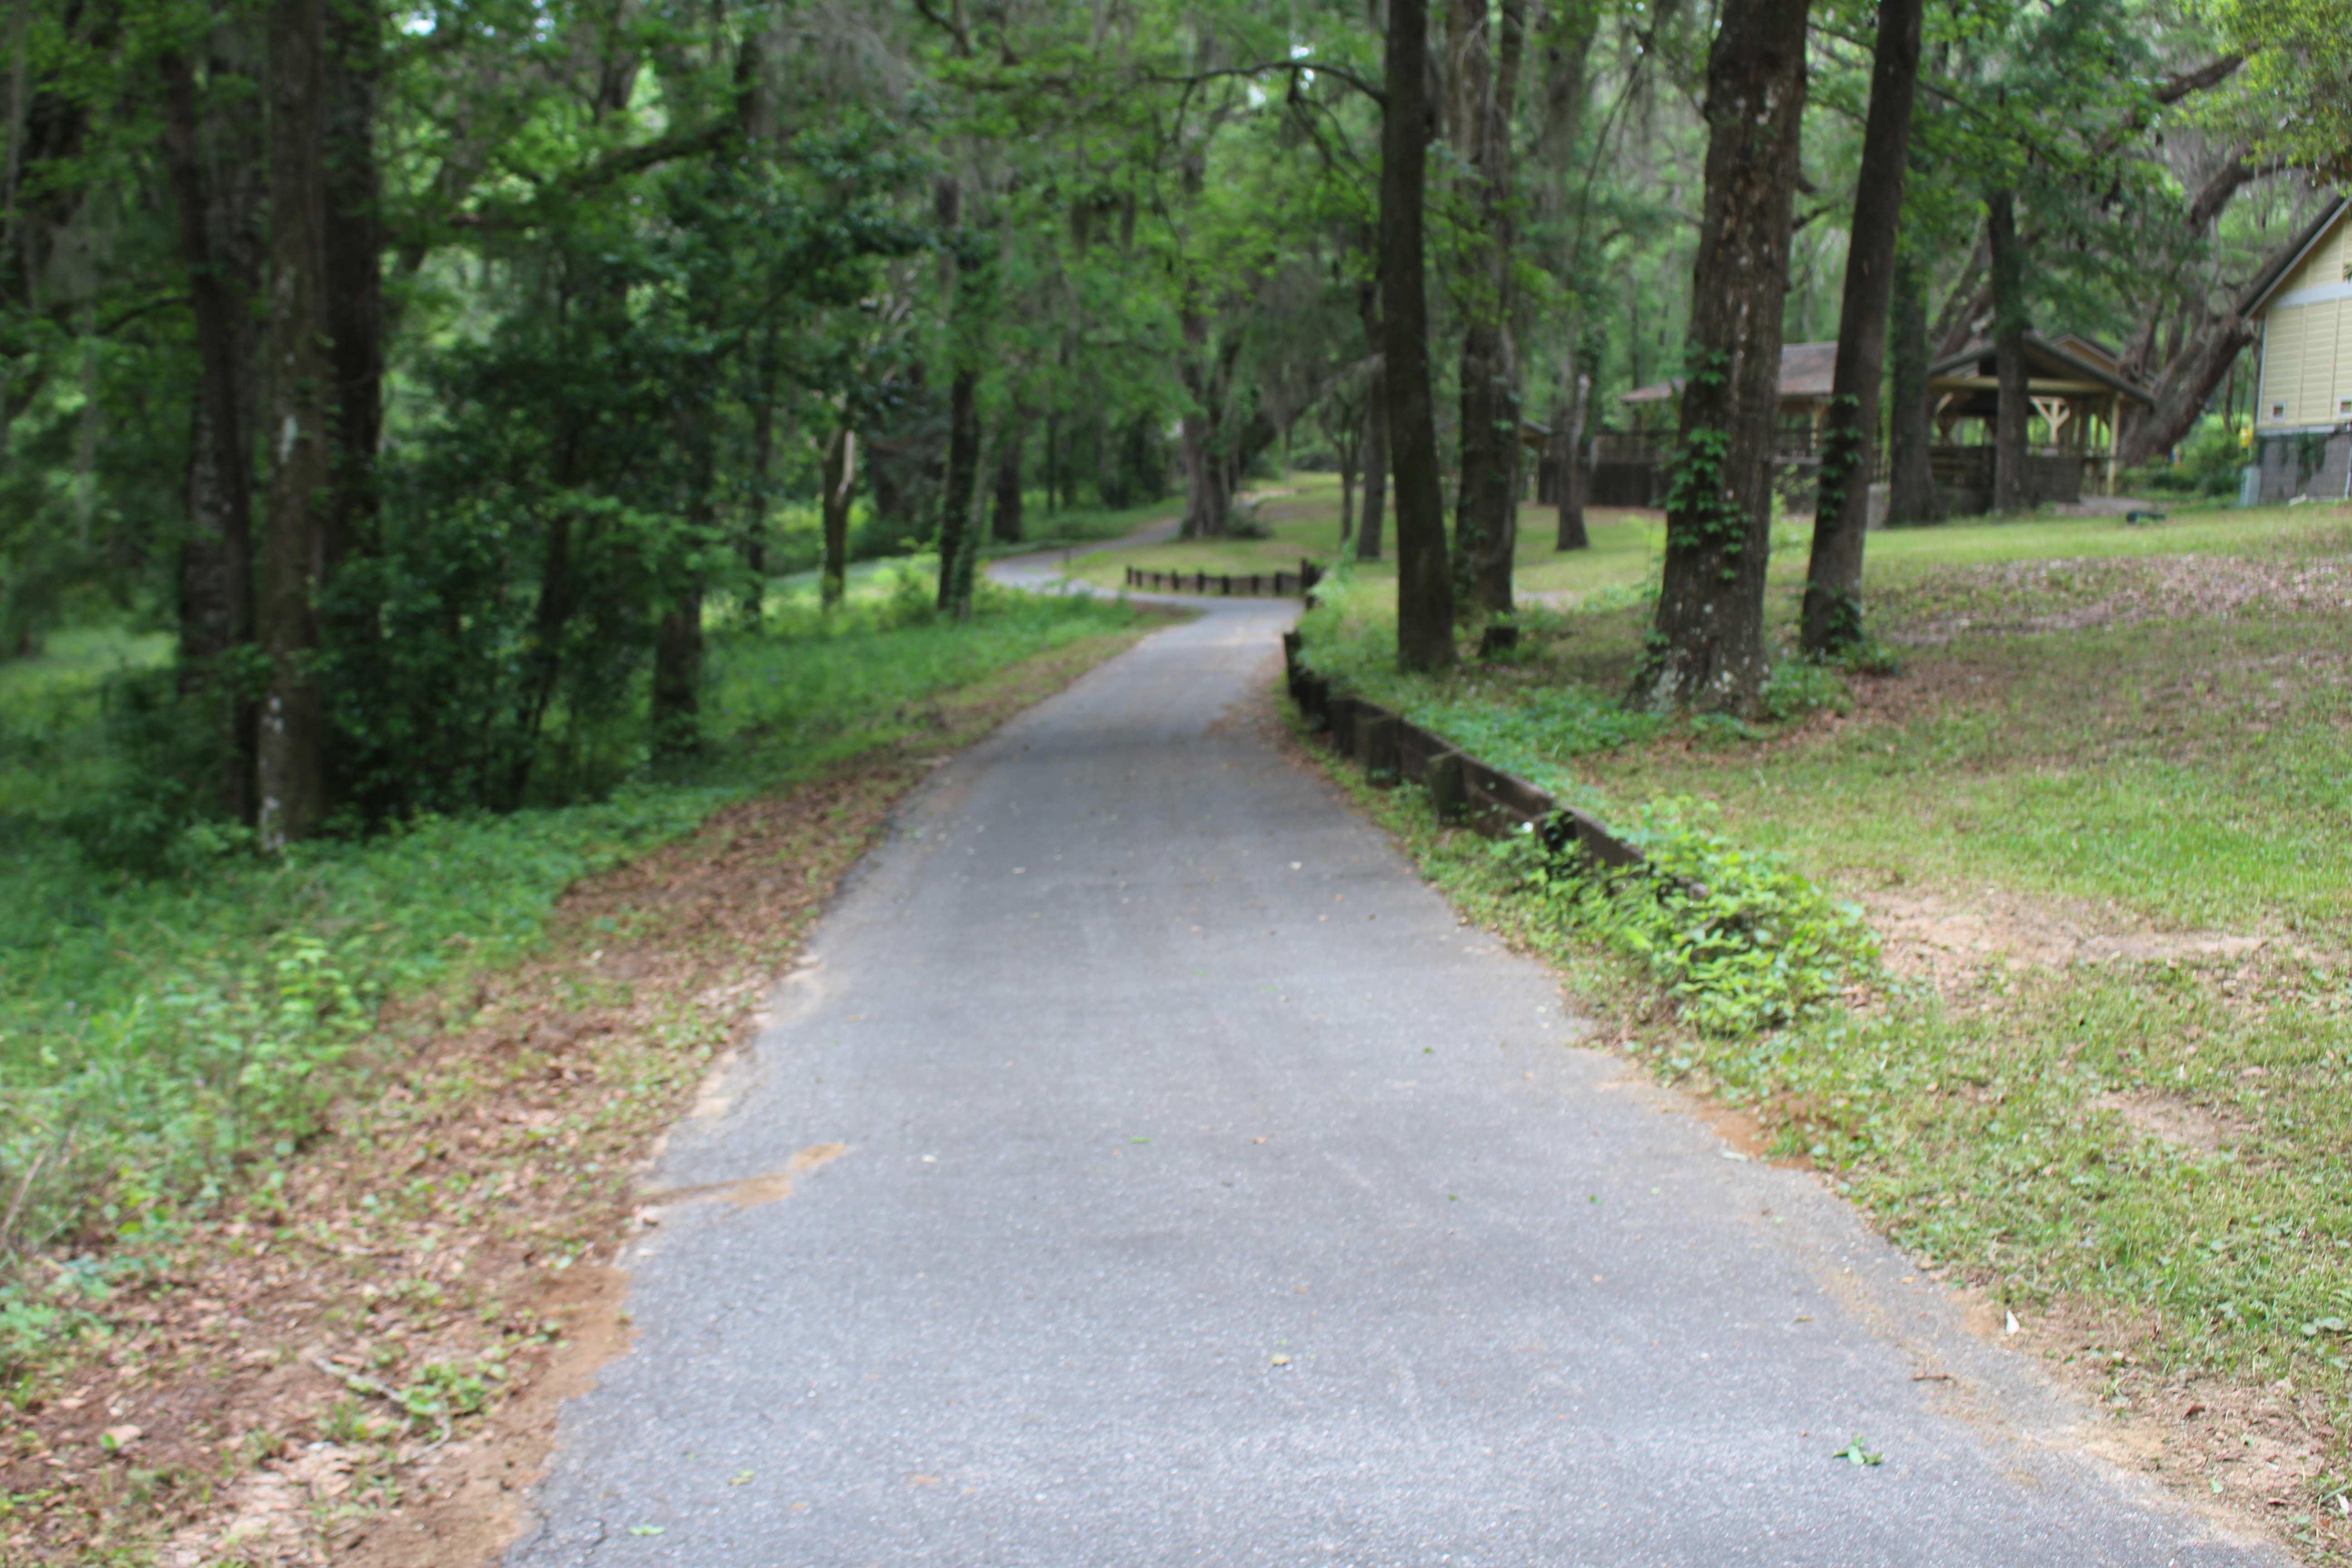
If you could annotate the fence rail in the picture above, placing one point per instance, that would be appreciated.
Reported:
(1252, 585)
(1461, 788)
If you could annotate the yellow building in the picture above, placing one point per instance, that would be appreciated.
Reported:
(2303, 408)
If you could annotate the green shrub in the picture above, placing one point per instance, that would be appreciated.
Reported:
(1741, 941)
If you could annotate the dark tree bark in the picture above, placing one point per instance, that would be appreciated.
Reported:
(675, 714)
(1424, 585)
(1207, 447)
(2184, 387)
(766, 368)
(289, 769)
(678, 674)
(1910, 433)
(1567, 456)
(354, 275)
(1004, 514)
(1486, 507)
(1709, 648)
(957, 535)
(2009, 325)
(1371, 515)
(1832, 608)
(216, 563)
(837, 473)
(1376, 431)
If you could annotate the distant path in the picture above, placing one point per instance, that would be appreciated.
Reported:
(1146, 1169)
(1045, 569)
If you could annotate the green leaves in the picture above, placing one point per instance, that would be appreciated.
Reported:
(1739, 940)
(1854, 1453)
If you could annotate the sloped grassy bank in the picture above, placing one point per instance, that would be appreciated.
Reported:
(162, 1036)
(2143, 1156)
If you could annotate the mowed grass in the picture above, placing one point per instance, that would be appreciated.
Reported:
(2113, 780)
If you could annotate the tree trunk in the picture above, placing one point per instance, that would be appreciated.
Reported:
(216, 563)
(1424, 586)
(1347, 498)
(1208, 491)
(676, 708)
(1567, 456)
(354, 276)
(1832, 609)
(1710, 627)
(290, 773)
(2009, 491)
(838, 476)
(677, 674)
(1486, 509)
(1372, 514)
(958, 539)
(1910, 428)
(1004, 516)
(754, 542)
(1376, 430)
(2184, 387)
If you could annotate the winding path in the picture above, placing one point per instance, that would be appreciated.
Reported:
(1146, 1168)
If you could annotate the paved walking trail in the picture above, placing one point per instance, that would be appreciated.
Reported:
(1146, 1169)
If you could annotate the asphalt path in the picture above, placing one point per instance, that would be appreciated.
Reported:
(1145, 1167)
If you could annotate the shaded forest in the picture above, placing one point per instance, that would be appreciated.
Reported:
(441, 379)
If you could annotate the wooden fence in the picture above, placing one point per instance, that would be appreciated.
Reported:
(1461, 787)
(1258, 584)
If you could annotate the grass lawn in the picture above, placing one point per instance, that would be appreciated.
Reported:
(2101, 821)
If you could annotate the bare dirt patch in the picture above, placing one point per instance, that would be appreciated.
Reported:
(2017, 598)
(364, 1365)
(2175, 1121)
(1951, 940)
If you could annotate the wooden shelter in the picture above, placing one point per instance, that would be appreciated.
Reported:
(2078, 390)
(2303, 401)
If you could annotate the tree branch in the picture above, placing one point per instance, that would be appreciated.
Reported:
(1294, 67)
(2209, 74)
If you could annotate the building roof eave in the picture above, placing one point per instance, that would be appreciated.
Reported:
(2266, 283)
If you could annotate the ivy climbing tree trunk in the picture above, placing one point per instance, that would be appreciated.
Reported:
(1832, 608)
(2011, 493)
(1708, 647)
(1424, 584)
(289, 751)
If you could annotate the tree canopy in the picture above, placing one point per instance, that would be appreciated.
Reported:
(441, 375)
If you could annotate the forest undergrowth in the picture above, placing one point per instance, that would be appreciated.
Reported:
(2088, 1058)
(176, 1029)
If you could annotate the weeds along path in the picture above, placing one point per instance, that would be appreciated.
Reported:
(1145, 1166)
(389, 1318)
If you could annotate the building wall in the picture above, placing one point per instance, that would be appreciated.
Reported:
(2307, 340)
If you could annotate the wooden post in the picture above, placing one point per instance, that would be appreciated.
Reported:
(1449, 792)
(1376, 747)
